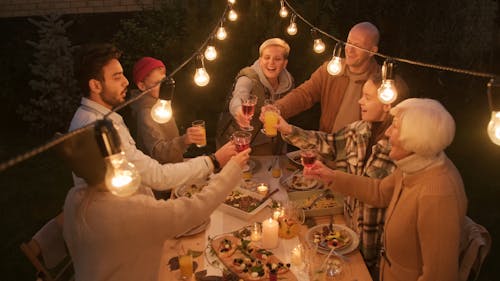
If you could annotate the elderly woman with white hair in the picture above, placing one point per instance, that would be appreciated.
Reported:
(425, 198)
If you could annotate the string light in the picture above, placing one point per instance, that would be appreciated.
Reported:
(210, 51)
(283, 10)
(201, 77)
(334, 67)
(292, 28)
(283, 13)
(161, 112)
(494, 102)
(121, 178)
(231, 1)
(318, 45)
(387, 93)
(232, 15)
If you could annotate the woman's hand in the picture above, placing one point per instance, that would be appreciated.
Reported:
(320, 172)
(241, 119)
(283, 126)
(242, 157)
(224, 154)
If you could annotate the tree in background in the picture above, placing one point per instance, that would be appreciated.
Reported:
(57, 95)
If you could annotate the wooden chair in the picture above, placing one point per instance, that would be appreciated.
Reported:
(48, 254)
(474, 247)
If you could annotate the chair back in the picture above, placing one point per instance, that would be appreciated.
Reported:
(48, 253)
(474, 247)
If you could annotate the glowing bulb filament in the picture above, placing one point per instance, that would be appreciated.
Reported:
(161, 112)
(334, 67)
(221, 33)
(231, 1)
(122, 179)
(210, 53)
(319, 46)
(387, 92)
(494, 127)
(283, 11)
(201, 77)
(292, 28)
(232, 15)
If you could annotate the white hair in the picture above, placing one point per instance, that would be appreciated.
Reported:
(426, 127)
(275, 42)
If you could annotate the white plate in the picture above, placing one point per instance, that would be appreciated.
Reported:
(288, 182)
(294, 156)
(353, 246)
(189, 189)
(240, 213)
(196, 229)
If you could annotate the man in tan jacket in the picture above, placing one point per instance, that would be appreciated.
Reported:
(338, 94)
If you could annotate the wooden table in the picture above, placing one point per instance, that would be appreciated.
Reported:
(223, 223)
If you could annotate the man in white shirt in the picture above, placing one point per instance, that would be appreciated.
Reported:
(100, 77)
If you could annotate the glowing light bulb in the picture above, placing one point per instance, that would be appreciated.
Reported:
(210, 53)
(231, 1)
(319, 46)
(161, 112)
(334, 67)
(201, 77)
(387, 92)
(232, 15)
(221, 33)
(292, 29)
(121, 179)
(494, 127)
(283, 11)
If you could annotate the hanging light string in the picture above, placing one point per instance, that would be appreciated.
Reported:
(61, 138)
(408, 61)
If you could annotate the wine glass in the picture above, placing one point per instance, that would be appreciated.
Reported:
(241, 140)
(248, 107)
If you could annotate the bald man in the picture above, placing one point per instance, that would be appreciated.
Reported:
(338, 95)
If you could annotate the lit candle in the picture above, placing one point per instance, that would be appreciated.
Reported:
(256, 234)
(262, 189)
(270, 229)
(277, 213)
(296, 258)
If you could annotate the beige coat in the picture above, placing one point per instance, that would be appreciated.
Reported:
(424, 219)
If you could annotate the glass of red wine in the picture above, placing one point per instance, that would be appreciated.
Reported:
(248, 107)
(308, 156)
(241, 140)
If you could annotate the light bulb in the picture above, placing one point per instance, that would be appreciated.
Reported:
(494, 127)
(201, 77)
(210, 53)
(161, 112)
(232, 15)
(231, 1)
(292, 29)
(221, 33)
(334, 67)
(387, 92)
(319, 46)
(283, 11)
(122, 179)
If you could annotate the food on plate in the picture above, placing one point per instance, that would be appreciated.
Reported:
(246, 203)
(288, 228)
(189, 190)
(300, 182)
(249, 261)
(319, 201)
(332, 238)
(227, 246)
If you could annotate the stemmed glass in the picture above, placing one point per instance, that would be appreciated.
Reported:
(308, 157)
(248, 107)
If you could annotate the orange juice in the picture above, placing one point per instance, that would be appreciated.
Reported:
(270, 122)
(204, 142)
(186, 266)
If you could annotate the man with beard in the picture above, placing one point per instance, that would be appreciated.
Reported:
(338, 94)
(104, 86)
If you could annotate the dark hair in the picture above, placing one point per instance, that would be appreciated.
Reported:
(90, 60)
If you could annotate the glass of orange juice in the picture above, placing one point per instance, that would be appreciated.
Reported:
(186, 266)
(271, 117)
(201, 124)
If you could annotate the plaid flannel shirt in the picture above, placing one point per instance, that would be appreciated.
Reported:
(347, 147)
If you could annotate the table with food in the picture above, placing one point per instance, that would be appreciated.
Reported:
(276, 225)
